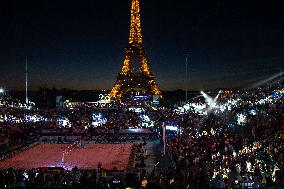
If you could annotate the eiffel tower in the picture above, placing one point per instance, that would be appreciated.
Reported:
(130, 80)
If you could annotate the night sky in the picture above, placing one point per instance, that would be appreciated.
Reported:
(80, 44)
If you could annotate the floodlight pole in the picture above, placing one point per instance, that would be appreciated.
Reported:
(26, 72)
(186, 77)
(187, 61)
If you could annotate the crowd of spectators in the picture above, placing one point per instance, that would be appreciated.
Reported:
(235, 141)
(58, 177)
(239, 146)
(18, 123)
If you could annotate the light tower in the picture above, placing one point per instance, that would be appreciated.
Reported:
(26, 73)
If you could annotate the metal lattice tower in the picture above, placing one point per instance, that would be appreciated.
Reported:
(128, 79)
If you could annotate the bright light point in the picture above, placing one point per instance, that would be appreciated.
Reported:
(209, 100)
(2, 90)
(241, 119)
(172, 128)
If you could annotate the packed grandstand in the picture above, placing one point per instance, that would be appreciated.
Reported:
(218, 139)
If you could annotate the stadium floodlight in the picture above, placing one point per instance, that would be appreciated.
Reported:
(2, 90)
(212, 103)
(208, 99)
(217, 96)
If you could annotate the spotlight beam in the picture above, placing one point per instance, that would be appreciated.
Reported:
(267, 80)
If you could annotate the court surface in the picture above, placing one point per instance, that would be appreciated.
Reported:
(51, 155)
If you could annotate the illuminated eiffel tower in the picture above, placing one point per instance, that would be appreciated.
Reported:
(129, 79)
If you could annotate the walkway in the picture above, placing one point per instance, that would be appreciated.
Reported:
(154, 154)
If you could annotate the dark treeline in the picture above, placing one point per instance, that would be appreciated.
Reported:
(46, 97)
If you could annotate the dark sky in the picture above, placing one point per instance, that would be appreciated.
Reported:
(80, 44)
